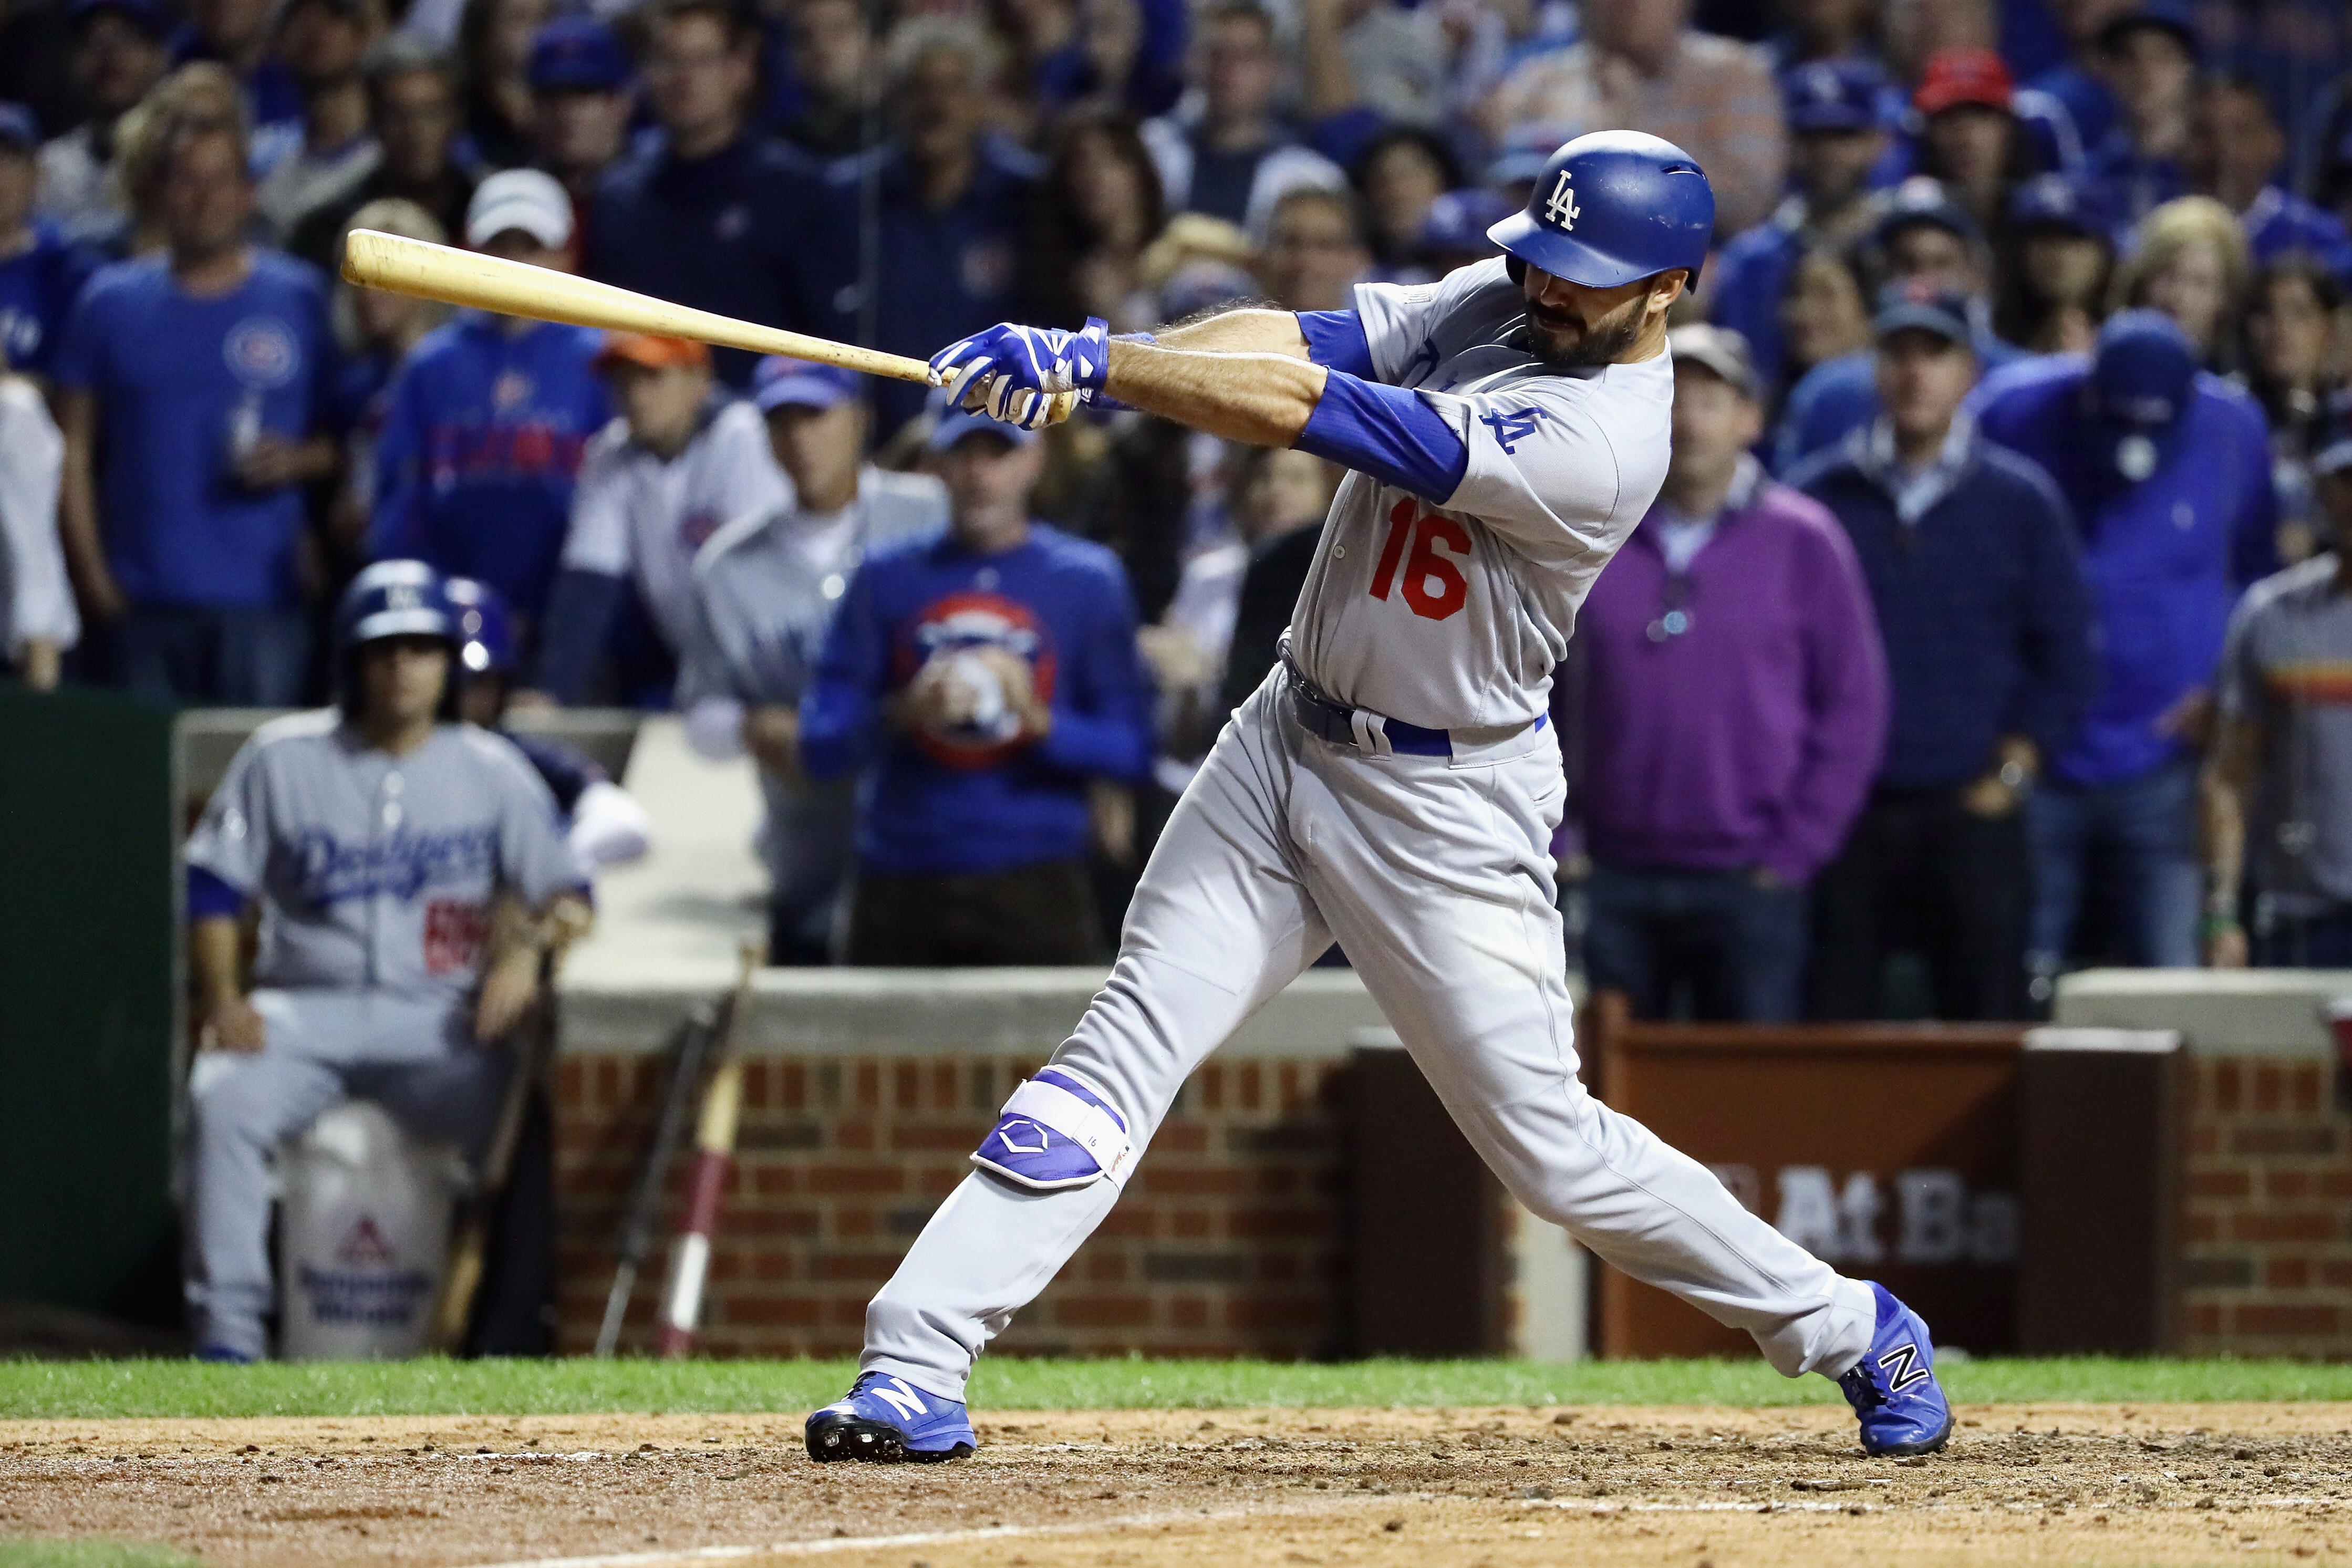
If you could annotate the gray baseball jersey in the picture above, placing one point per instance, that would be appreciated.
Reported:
(374, 871)
(1454, 616)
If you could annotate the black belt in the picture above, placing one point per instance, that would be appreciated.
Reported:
(1334, 721)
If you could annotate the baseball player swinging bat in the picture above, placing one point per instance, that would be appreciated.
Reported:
(415, 267)
(1393, 786)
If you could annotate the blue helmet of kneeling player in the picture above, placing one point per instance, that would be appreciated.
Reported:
(391, 599)
(486, 642)
(1611, 208)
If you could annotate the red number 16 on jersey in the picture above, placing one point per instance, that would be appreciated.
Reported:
(1433, 585)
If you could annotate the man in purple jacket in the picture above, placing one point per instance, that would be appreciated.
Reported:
(1728, 685)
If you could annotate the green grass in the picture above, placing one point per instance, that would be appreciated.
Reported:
(21, 1554)
(91, 1389)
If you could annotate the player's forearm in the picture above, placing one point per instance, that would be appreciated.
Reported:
(212, 956)
(1245, 332)
(1260, 398)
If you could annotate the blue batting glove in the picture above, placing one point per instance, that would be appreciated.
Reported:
(1028, 376)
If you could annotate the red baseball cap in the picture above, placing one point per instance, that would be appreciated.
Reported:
(650, 352)
(1955, 77)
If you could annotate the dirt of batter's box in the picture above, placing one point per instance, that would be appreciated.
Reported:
(1690, 1488)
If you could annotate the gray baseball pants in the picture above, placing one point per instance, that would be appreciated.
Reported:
(414, 1058)
(1435, 875)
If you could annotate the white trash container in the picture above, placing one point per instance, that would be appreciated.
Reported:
(364, 1234)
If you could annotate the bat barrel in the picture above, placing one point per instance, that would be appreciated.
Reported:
(402, 266)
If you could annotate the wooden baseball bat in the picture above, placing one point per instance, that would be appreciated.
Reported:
(641, 1213)
(428, 271)
(714, 1151)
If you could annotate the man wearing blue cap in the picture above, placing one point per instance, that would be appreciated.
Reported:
(1838, 136)
(39, 273)
(582, 90)
(2056, 288)
(1971, 556)
(2169, 469)
(1922, 238)
(1393, 786)
(767, 587)
(980, 680)
(2235, 153)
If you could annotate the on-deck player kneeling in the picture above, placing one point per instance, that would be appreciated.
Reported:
(1393, 785)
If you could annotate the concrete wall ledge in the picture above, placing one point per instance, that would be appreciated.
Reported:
(925, 1011)
(2218, 1012)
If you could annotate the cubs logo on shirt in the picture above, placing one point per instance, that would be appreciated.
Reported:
(261, 353)
(953, 629)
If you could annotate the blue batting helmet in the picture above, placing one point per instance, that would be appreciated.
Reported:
(485, 644)
(1611, 207)
(394, 599)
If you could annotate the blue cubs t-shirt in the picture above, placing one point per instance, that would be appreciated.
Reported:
(38, 286)
(174, 376)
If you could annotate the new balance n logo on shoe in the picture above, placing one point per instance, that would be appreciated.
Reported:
(1902, 1367)
(895, 1393)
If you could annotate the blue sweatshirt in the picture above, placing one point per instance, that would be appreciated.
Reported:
(2167, 557)
(973, 802)
(1980, 602)
(482, 439)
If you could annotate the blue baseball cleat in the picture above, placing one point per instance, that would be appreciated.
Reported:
(886, 1420)
(1892, 1389)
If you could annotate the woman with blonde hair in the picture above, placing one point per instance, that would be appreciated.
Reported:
(2188, 260)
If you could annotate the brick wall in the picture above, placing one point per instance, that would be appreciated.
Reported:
(2266, 1224)
(1225, 1242)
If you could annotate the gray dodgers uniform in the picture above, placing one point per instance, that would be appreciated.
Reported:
(769, 586)
(1433, 871)
(374, 875)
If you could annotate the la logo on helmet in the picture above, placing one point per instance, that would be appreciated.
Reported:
(1561, 208)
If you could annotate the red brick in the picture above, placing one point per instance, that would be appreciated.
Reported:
(794, 1088)
(1290, 1097)
(2204, 1318)
(1277, 1222)
(854, 1134)
(905, 1087)
(939, 1183)
(2287, 1184)
(1107, 1268)
(2336, 1183)
(771, 1180)
(846, 1178)
(856, 1221)
(1103, 1312)
(2221, 1184)
(571, 1085)
(771, 1267)
(2335, 1274)
(936, 1135)
(1180, 1138)
(1131, 1218)
(1189, 1311)
(2204, 1140)
(868, 1082)
(943, 1087)
(2283, 1320)
(844, 1311)
(1191, 1224)
(1277, 1181)
(2229, 1086)
(2298, 1224)
(1248, 1089)
(2201, 1227)
(1278, 1269)
(774, 1311)
(1178, 1181)
(1212, 1080)
(606, 1084)
(862, 1266)
(1275, 1311)
(2270, 1088)
(2304, 1088)
(2287, 1273)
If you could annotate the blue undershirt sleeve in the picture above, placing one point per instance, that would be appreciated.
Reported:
(211, 896)
(1337, 339)
(1389, 433)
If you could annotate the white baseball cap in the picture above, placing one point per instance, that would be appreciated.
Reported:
(525, 199)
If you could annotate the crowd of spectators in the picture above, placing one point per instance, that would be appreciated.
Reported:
(2017, 376)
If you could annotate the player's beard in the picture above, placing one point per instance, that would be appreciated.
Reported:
(1603, 343)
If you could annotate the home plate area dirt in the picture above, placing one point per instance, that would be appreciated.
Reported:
(1691, 1487)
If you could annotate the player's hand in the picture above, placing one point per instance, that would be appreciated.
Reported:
(772, 734)
(232, 1025)
(507, 990)
(1028, 376)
